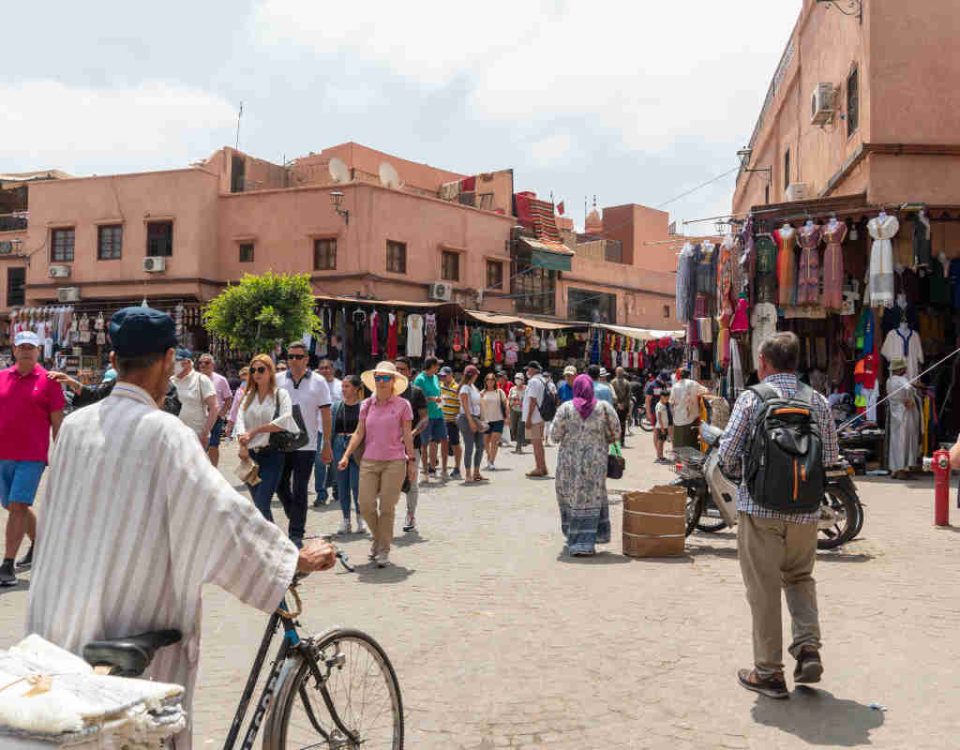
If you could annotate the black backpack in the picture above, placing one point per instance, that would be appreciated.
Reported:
(784, 465)
(548, 406)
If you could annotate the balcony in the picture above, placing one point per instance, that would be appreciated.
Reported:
(15, 222)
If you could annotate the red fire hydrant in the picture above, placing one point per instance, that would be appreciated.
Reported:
(941, 488)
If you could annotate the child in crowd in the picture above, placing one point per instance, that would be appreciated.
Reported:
(661, 429)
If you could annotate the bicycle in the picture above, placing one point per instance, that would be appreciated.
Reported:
(297, 700)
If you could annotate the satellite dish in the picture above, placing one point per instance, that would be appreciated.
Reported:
(388, 176)
(339, 171)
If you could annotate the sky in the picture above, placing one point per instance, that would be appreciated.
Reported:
(631, 102)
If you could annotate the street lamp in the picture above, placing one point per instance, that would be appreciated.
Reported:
(745, 154)
(855, 7)
(336, 197)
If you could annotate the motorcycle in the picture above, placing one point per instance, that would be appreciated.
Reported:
(712, 495)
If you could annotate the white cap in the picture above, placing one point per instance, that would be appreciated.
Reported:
(26, 338)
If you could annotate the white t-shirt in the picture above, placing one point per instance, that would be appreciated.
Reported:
(535, 389)
(473, 397)
(192, 391)
(663, 416)
(336, 388)
(310, 394)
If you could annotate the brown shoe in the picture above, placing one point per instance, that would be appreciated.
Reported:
(536, 474)
(772, 687)
(809, 666)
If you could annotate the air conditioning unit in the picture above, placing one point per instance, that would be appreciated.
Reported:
(797, 191)
(155, 264)
(6, 247)
(68, 294)
(823, 104)
(441, 290)
(59, 272)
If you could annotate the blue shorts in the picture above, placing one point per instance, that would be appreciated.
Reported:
(19, 481)
(436, 431)
(496, 427)
(453, 433)
(216, 432)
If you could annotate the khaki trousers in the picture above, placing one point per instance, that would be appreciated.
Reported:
(382, 479)
(773, 555)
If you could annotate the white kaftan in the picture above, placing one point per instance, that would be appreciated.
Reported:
(904, 428)
(880, 280)
(134, 522)
(906, 345)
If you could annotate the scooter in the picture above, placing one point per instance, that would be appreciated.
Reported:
(712, 494)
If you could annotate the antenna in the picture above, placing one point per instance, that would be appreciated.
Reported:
(339, 172)
(388, 176)
(239, 115)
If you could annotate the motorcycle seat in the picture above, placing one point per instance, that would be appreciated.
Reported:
(709, 434)
(129, 656)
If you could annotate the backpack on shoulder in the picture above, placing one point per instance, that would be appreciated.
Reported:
(784, 465)
(548, 407)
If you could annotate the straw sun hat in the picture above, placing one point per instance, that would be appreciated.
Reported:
(400, 382)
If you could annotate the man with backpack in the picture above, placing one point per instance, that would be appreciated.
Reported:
(780, 436)
(539, 407)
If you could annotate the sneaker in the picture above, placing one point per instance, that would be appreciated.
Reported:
(345, 527)
(455, 474)
(411, 524)
(26, 562)
(772, 687)
(361, 526)
(490, 466)
(432, 470)
(809, 666)
(319, 502)
(373, 552)
(7, 576)
(383, 559)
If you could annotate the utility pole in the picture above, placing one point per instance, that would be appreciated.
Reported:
(239, 115)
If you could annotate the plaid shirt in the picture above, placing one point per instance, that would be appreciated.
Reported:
(733, 444)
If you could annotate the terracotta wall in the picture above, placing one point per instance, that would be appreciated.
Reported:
(635, 225)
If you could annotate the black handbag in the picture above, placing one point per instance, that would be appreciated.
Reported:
(286, 441)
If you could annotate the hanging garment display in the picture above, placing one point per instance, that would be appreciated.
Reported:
(786, 239)
(414, 335)
(392, 326)
(763, 321)
(808, 276)
(882, 229)
(921, 239)
(864, 332)
(865, 386)
(741, 316)
(430, 335)
(686, 264)
(766, 264)
(374, 333)
(834, 234)
(476, 342)
(902, 342)
(904, 425)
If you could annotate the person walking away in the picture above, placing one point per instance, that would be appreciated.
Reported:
(436, 431)
(637, 394)
(661, 429)
(308, 391)
(469, 422)
(533, 418)
(346, 415)
(515, 401)
(221, 387)
(622, 399)
(550, 389)
(778, 504)
(164, 520)
(449, 393)
(565, 389)
(421, 413)
(266, 408)
(600, 389)
(904, 432)
(685, 406)
(493, 411)
(198, 397)
(384, 428)
(237, 399)
(31, 408)
(323, 476)
(584, 428)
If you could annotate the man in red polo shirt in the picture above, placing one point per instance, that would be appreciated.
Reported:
(30, 405)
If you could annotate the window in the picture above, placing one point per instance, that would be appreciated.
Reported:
(16, 286)
(666, 311)
(853, 101)
(325, 254)
(61, 243)
(786, 169)
(590, 306)
(494, 274)
(396, 256)
(246, 252)
(450, 266)
(160, 238)
(109, 242)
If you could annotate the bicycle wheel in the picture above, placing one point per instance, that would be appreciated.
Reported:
(362, 707)
(645, 424)
(710, 519)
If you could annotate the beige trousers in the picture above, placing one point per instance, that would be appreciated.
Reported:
(381, 479)
(773, 555)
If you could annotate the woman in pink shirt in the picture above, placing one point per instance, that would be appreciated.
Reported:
(384, 432)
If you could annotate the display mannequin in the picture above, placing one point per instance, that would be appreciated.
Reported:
(833, 234)
(882, 229)
(904, 426)
(808, 278)
(904, 343)
(786, 239)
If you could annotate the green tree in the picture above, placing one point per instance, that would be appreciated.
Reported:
(262, 311)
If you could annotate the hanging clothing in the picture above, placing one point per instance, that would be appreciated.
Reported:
(415, 335)
(430, 335)
(374, 333)
(685, 283)
(921, 241)
(786, 239)
(763, 321)
(808, 277)
(907, 345)
(904, 424)
(864, 333)
(392, 337)
(741, 317)
(880, 285)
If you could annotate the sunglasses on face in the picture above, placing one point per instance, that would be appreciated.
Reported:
(258, 370)
(383, 378)
(296, 356)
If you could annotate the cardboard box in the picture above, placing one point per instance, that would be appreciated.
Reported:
(654, 522)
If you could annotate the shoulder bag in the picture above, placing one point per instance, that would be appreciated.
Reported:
(286, 441)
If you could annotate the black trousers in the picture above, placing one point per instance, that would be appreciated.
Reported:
(292, 491)
(624, 415)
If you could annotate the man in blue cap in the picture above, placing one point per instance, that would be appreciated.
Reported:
(136, 520)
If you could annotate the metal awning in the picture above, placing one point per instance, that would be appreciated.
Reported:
(548, 255)
(641, 334)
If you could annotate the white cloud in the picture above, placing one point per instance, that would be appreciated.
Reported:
(44, 123)
(551, 149)
(654, 72)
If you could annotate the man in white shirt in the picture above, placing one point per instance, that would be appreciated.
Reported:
(685, 407)
(207, 366)
(198, 397)
(322, 475)
(532, 420)
(310, 392)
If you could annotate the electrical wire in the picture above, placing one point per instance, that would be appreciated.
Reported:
(698, 187)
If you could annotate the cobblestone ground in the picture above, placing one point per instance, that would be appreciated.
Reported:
(499, 641)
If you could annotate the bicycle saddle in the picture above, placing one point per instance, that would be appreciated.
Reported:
(129, 656)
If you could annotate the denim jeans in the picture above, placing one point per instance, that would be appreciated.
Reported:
(323, 475)
(271, 467)
(292, 491)
(348, 482)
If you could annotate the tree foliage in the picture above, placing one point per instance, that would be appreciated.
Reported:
(260, 312)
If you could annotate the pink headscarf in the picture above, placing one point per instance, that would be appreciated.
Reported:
(583, 397)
